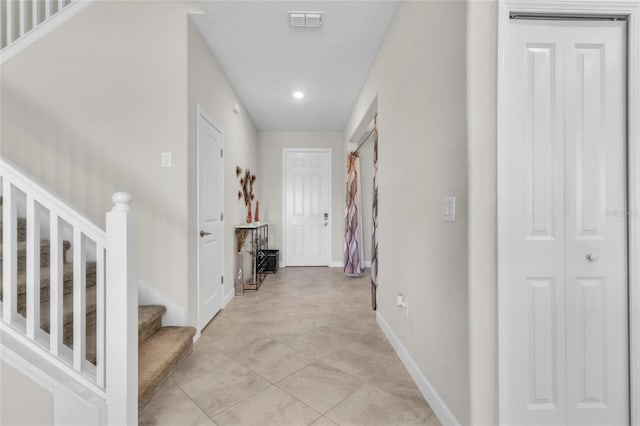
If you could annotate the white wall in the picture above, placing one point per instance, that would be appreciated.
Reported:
(270, 146)
(19, 395)
(481, 118)
(419, 78)
(209, 88)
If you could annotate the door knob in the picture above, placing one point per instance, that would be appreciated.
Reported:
(592, 257)
(203, 233)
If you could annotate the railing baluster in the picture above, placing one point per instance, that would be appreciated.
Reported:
(10, 252)
(56, 285)
(10, 21)
(60, 5)
(47, 9)
(22, 17)
(100, 314)
(35, 13)
(33, 267)
(79, 300)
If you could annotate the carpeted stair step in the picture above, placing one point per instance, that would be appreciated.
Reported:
(45, 279)
(44, 253)
(67, 317)
(159, 355)
(22, 227)
(149, 320)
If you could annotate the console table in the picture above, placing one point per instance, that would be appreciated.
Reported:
(258, 240)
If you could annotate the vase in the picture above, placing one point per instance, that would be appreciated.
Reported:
(256, 217)
(249, 212)
(239, 278)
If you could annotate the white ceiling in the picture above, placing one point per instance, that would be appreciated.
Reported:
(265, 60)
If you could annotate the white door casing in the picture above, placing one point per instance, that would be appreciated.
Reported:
(210, 231)
(307, 206)
(562, 256)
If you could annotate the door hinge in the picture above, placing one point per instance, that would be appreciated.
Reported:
(221, 152)
(221, 279)
(221, 216)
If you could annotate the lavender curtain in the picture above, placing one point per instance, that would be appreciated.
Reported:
(374, 241)
(353, 248)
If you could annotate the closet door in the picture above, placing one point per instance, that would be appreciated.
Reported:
(566, 343)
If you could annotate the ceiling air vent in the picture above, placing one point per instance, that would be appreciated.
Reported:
(305, 19)
(314, 20)
(298, 20)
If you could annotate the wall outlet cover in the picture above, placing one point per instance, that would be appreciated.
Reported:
(449, 209)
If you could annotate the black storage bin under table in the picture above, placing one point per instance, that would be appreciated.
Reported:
(268, 261)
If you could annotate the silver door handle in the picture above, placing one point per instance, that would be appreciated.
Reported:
(203, 233)
(591, 257)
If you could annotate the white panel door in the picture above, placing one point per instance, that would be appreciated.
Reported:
(307, 206)
(567, 326)
(210, 225)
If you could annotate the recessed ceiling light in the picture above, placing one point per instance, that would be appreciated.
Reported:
(298, 94)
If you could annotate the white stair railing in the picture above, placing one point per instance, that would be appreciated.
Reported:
(25, 21)
(114, 375)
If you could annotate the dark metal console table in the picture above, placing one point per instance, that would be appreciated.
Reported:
(259, 240)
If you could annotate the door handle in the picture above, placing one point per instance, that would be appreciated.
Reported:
(326, 223)
(203, 233)
(592, 257)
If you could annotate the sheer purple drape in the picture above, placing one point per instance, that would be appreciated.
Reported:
(353, 248)
(374, 241)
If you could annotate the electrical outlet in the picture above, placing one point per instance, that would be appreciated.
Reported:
(165, 159)
(449, 209)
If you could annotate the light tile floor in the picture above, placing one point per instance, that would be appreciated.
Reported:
(303, 350)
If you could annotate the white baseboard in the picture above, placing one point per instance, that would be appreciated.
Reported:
(437, 404)
(228, 297)
(147, 295)
(340, 264)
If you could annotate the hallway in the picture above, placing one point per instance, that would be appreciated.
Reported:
(304, 349)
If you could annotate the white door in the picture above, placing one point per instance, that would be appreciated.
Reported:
(307, 207)
(564, 255)
(210, 226)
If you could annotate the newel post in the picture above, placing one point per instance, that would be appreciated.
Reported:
(121, 315)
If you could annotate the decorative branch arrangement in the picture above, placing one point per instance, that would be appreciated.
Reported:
(246, 185)
(241, 237)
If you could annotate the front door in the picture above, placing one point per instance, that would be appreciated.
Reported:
(210, 225)
(307, 206)
(563, 255)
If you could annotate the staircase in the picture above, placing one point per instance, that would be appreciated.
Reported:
(160, 349)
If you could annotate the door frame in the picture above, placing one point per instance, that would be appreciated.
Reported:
(200, 112)
(630, 9)
(285, 151)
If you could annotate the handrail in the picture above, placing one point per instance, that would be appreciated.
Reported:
(48, 201)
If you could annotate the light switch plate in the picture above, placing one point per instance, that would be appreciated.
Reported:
(449, 209)
(165, 159)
